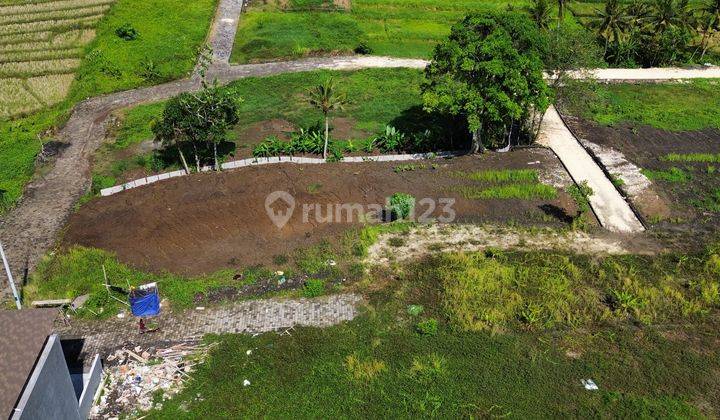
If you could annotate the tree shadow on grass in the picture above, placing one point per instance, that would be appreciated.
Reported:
(445, 132)
(168, 157)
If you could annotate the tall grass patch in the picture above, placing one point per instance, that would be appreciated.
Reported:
(514, 290)
(687, 106)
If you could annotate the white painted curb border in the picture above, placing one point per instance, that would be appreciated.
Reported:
(242, 163)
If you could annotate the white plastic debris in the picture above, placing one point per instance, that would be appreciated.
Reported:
(249, 352)
(331, 263)
(589, 384)
(246, 382)
(199, 308)
(121, 315)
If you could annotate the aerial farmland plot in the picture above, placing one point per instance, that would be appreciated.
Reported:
(363, 208)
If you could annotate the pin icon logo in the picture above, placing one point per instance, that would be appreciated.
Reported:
(279, 206)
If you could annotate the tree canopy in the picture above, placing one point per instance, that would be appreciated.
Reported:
(198, 120)
(490, 72)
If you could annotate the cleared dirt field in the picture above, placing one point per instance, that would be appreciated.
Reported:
(682, 167)
(206, 222)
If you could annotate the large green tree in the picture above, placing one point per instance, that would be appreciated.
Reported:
(490, 72)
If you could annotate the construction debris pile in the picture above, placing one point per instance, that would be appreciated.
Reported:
(134, 378)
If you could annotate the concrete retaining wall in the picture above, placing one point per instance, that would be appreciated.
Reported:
(242, 163)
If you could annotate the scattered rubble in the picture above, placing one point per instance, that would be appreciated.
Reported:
(136, 379)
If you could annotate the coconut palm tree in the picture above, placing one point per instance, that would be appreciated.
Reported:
(612, 22)
(709, 23)
(666, 14)
(539, 12)
(326, 99)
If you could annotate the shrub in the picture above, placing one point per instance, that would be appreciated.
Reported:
(314, 288)
(149, 71)
(580, 193)
(363, 49)
(402, 205)
(100, 182)
(390, 140)
(127, 32)
(271, 146)
(428, 327)
(310, 140)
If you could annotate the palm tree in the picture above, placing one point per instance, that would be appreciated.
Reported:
(540, 13)
(325, 98)
(666, 14)
(637, 12)
(613, 21)
(709, 23)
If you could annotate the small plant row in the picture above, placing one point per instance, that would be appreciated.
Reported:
(311, 141)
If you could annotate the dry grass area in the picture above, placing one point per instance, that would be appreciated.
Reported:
(41, 44)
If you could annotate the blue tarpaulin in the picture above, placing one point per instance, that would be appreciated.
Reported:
(145, 301)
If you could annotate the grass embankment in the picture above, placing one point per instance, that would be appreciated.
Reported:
(516, 333)
(378, 97)
(169, 34)
(687, 106)
(79, 271)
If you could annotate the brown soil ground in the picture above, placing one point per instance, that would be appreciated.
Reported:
(645, 146)
(205, 222)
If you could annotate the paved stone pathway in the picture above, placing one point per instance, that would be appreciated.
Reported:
(222, 33)
(611, 209)
(254, 316)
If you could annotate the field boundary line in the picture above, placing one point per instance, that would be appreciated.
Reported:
(244, 163)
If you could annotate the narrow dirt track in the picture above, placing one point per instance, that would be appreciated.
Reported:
(31, 228)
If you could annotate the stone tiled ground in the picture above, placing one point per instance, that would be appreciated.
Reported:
(239, 317)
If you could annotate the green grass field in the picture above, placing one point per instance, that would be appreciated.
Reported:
(555, 320)
(694, 105)
(403, 28)
(170, 31)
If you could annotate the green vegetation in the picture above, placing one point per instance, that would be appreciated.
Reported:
(504, 175)
(314, 288)
(505, 192)
(169, 34)
(692, 157)
(404, 28)
(581, 193)
(502, 88)
(517, 315)
(79, 271)
(521, 184)
(402, 205)
(656, 105)
(671, 175)
(377, 98)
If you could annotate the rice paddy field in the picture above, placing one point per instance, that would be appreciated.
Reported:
(41, 45)
(56, 53)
